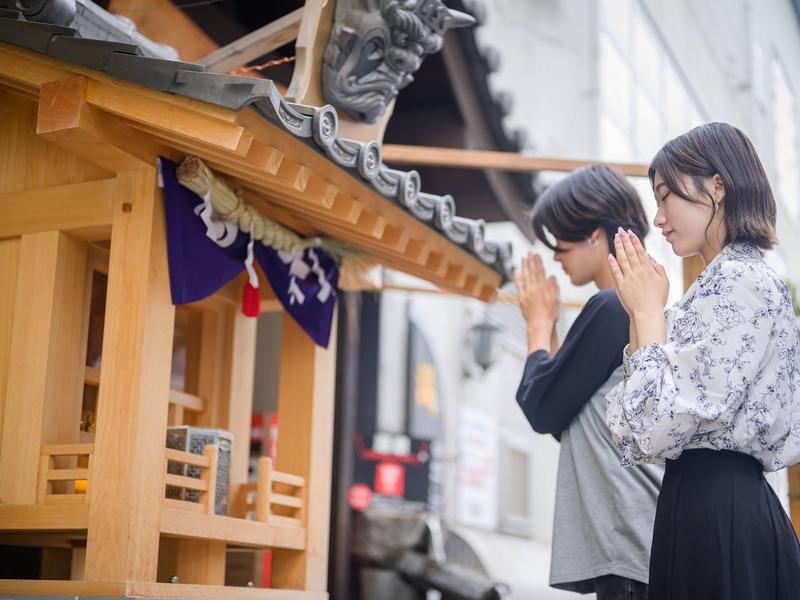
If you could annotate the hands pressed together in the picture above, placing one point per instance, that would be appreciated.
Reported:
(641, 283)
(539, 301)
(642, 287)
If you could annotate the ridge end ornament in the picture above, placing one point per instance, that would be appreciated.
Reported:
(375, 48)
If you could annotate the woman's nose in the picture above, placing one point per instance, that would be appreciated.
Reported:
(659, 220)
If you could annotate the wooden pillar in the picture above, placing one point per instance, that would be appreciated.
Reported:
(9, 260)
(305, 442)
(239, 410)
(127, 486)
(45, 375)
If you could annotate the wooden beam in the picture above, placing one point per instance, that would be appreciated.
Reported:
(167, 121)
(65, 118)
(487, 159)
(127, 488)
(187, 401)
(82, 209)
(41, 518)
(256, 43)
(239, 532)
(178, 591)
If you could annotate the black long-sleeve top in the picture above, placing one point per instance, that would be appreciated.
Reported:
(554, 389)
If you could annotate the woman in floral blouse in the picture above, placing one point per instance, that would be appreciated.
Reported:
(711, 386)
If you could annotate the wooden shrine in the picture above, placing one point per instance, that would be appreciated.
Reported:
(85, 312)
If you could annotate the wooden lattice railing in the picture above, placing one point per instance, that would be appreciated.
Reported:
(276, 497)
(205, 485)
(64, 473)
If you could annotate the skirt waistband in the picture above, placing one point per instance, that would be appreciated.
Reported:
(714, 461)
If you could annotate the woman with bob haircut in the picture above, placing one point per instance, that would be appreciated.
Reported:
(603, 513)
(711, 387)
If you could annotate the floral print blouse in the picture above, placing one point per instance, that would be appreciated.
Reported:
(727, 377)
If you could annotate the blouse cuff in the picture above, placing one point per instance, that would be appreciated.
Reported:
(651, 355)
(626, 361)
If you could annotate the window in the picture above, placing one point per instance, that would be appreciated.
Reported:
(515, 487)
(644, 101)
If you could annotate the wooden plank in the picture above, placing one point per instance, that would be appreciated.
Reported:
(127, 491)
(187, 401)
(174, 503)
(287, 521)
(255, 44)
(187, 458)
(463, 158)
(67, 449)
(43, 517)
(214, 592)
(60, 587)
(284, 500)
(82, 209)
(305, 412)
(190, 483)
(240, 532)
(67, 474)
(62, 499)
(288, 479)
(44, 376)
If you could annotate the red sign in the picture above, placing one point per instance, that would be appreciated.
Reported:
(390, 479)
(359, 496)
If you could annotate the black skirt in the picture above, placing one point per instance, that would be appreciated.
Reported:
(721, 533)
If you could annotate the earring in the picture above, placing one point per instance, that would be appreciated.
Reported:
(591, 242)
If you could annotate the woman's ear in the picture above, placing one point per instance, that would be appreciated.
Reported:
(717, 189)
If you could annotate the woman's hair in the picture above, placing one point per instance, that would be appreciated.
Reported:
(587, 199)
(719, 148)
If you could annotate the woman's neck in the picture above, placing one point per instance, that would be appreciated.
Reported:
(710, 251)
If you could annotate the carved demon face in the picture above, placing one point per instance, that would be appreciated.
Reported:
(376, 46)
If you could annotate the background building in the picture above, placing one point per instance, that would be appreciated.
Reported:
(589, 79)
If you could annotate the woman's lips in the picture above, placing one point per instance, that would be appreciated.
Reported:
(667, 234)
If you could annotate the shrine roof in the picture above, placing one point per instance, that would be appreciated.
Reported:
(316, 127)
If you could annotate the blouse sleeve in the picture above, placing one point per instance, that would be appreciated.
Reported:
(554, 389)
(697, 380)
